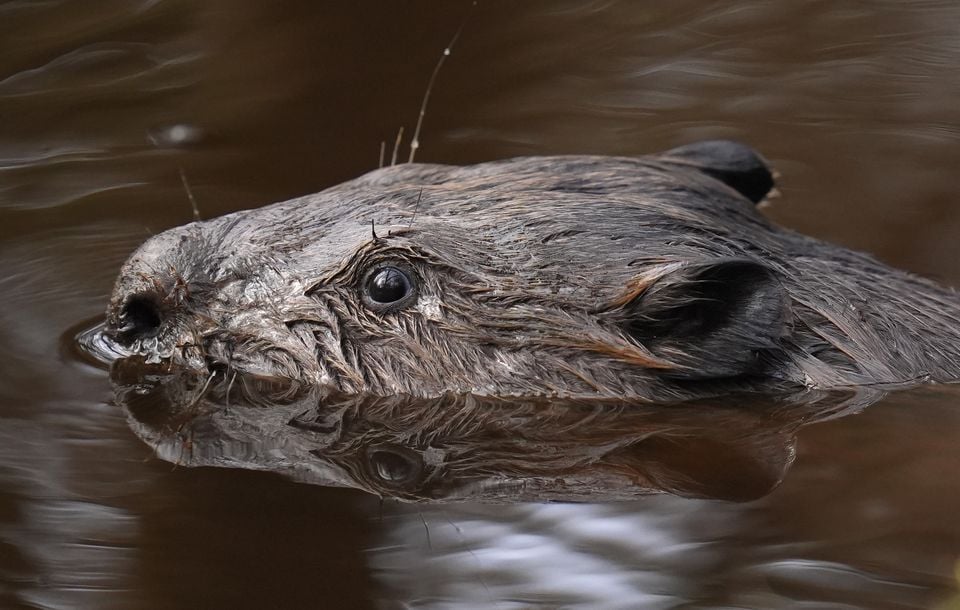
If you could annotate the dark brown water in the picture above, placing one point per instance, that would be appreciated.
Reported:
(102, 104)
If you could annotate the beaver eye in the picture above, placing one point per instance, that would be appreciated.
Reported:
(388, 286)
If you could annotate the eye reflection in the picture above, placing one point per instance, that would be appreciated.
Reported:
(395, 466)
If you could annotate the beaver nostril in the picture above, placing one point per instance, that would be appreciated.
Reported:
(140, 318)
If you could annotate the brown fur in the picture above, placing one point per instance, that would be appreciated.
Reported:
(645, 279)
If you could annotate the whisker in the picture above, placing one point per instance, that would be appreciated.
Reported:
(415, 141)
(193, 202)
(415, 208)
(426, 529)
(229, 388)
(396, 147)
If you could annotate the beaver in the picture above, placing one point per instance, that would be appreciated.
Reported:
(647, 279)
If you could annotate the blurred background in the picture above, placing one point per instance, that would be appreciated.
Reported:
(101, 108)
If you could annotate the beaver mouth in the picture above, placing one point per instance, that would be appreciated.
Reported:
(258, 367)
(252, 356)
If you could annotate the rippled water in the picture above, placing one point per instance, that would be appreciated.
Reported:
(100, 110)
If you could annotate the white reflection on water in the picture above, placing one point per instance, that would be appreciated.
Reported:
(657, 553)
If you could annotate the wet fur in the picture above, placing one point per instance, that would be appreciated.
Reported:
(539, 276)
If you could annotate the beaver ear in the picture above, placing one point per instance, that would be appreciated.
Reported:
(733, 463)
(710, 319)
(735, 164)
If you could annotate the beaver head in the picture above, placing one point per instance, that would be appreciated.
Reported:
(651, 278)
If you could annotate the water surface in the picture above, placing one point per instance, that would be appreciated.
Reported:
(100, 110)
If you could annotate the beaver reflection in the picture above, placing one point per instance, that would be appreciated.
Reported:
(459, 447)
